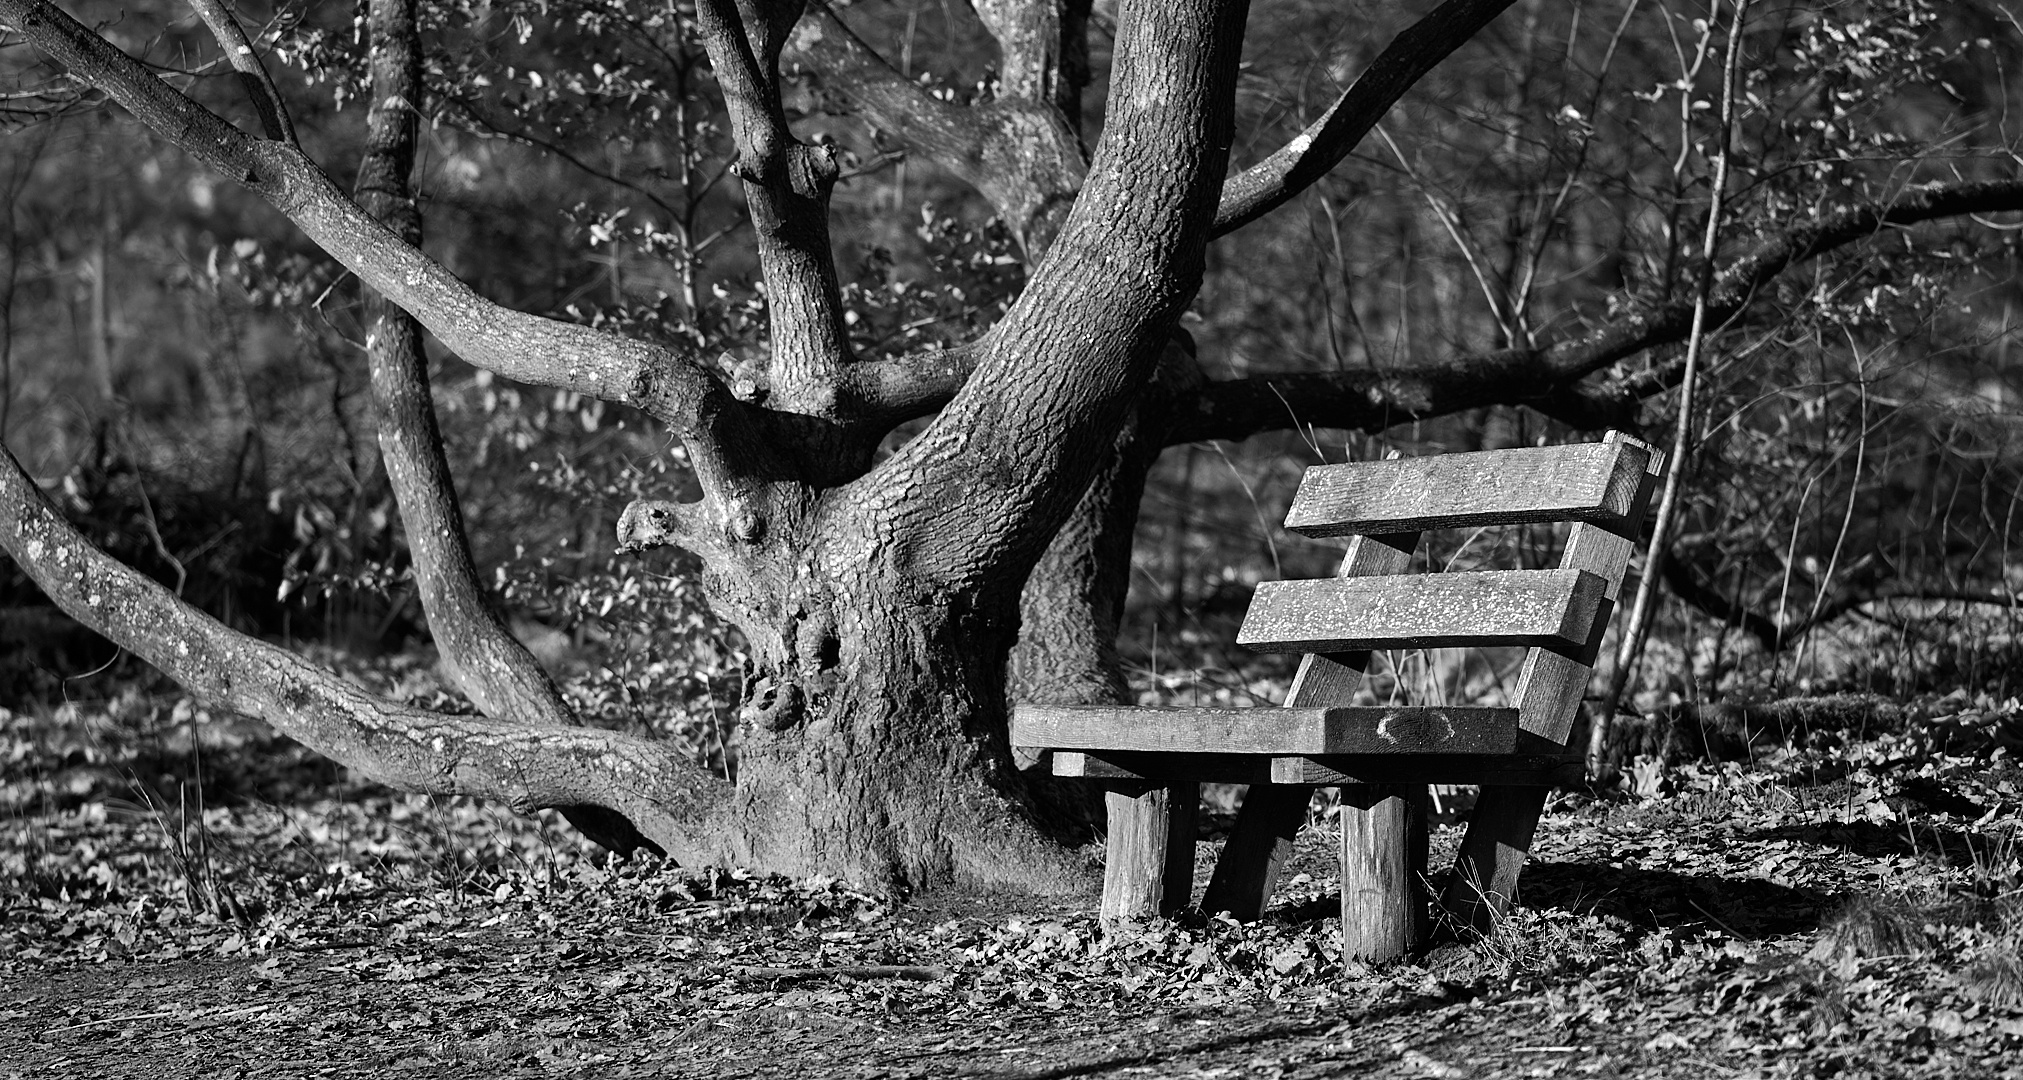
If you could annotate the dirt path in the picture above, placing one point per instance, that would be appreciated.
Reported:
(482, 1004)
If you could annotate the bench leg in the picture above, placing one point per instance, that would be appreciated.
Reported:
(1492, 856)
(1148, 868)
(1384, 841)
(1258, 848)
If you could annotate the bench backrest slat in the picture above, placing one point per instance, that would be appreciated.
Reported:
(1554, 679)
(1591, 482)
(1332, 678)
(1424, 611)
(1603, 488)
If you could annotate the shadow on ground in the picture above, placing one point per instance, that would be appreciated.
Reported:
(1750, 908)
(1962, 848)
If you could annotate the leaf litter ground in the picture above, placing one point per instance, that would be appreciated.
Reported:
(189, 895)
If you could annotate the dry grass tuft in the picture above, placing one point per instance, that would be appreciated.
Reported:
(1871, 926)
(1996, 977)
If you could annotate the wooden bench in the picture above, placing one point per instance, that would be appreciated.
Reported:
(1153, 760)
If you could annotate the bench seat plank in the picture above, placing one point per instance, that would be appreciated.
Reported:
(1527, 770)
(1593, 482)
(1554, 608)
(1343, 729)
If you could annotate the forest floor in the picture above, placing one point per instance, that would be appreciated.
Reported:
(1848, 907)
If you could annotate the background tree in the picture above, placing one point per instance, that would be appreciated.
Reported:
(875, 475)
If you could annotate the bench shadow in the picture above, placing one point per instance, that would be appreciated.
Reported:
(1748, 908)
(1959, 848)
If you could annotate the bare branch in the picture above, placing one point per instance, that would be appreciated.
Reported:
(546, 352)
(528, 767)
(787, 184)
(493, 668)
(1019, 153)
(1548, 377)
(1323, 144)
(252, 73)
(1362, 398)
(1775, 637)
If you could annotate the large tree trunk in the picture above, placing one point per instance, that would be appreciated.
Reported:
(875, 737)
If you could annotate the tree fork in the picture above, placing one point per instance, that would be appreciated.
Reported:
(491, 667)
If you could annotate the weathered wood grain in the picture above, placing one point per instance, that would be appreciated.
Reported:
(1593, 482)
(1155, 768)
(1346, 729)
(1148, 865)
(1261, 841)
(1500, 769)
(1424, 611)
(1383, 867)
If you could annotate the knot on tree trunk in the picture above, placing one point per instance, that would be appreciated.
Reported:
(774, 706)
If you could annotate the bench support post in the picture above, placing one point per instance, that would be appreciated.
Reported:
(1492, 856)
(1148, 867)
(1257, 850)
(1384, 851)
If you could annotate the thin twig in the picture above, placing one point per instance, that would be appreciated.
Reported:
(1453, 227)
(1675, 470)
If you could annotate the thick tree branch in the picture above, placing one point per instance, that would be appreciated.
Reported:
(1036, 43)
(1774, 637)
(1549, 377)
(1005, 462)
(732, 457)
(252, 72)
(787, 184)
(1293, 168)
(493, 668)
(527, 348)
(527, 767)
(1018, 152)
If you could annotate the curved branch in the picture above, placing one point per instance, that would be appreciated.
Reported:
(1679, 578)
(488, 663)
(1775, 637)
(787, 184)
(1548, 378)
(731, 456)
(1018, 152)
(1323, 144)
(670, 800)
(1008, 458)
(1363, 399)
(528, 348)
(252, 73)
